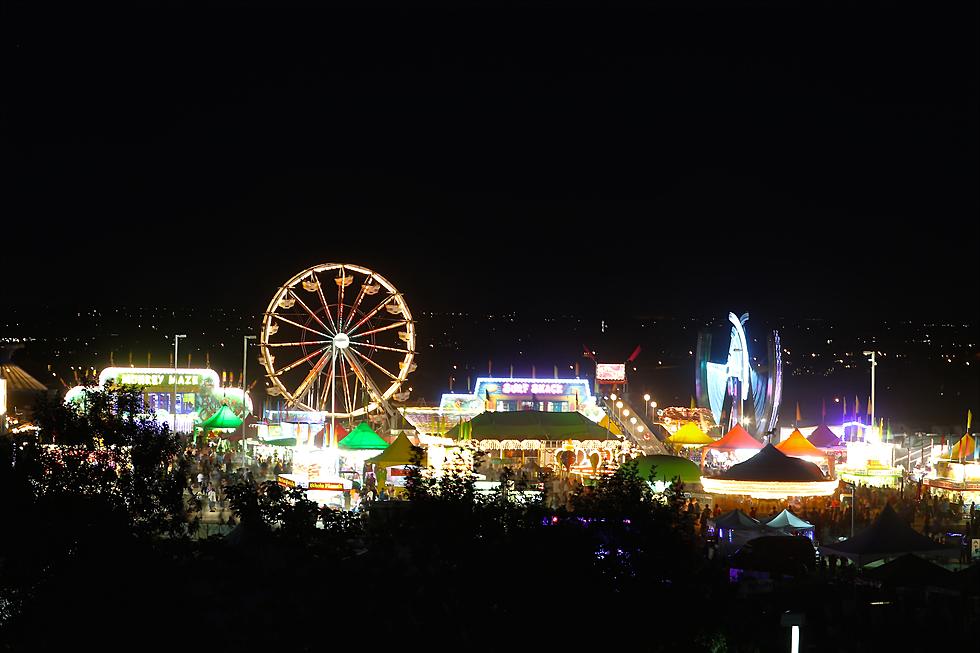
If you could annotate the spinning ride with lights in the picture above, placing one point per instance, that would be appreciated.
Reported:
(339, 339)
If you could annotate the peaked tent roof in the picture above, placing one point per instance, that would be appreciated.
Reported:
(887, 535)
(797, 445)
(691, 435)
(665, 468)
(607, 423)
(910, 570)
(786, 519)
(967, 444)
(223, 419)
(737, 520)
(823, 438)
(771, 464)
(737, 438)
(401, 452)
(320, 437)
(530, 425)
(363, 437)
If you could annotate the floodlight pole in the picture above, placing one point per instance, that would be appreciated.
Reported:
(245, 340)
(173, 406)
(873, 365)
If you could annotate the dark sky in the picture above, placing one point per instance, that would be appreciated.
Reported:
(780, 159)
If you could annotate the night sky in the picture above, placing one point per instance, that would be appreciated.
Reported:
(787, 160)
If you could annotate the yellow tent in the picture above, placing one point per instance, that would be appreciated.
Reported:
(609, 425)
(690, 435)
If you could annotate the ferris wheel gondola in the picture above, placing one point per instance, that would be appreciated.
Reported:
(345, 348)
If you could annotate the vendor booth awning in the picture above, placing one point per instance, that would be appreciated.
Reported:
(823, 438)
(910, 570)
(530, 425)
(887, 536)
(667, 468)
(362, 437)
(963, 450)
(223, 419)
(400, 452)
(737, 520)
(797, 445)
(735, 439)
(609, 425)
(786, 519)
(690, 435)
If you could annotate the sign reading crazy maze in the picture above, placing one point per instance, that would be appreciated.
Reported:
(157, 378)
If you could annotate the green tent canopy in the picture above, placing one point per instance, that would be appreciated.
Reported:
(363, 437)
(280, 442)
(223, 419)
(401, 452)
(530, 425)
(667, 467)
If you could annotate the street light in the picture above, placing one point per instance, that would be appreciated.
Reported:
(646, 401)
(173, 405)
(245, 340)
(653, 405)
(626, 412)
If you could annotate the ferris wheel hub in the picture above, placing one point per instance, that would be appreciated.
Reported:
(341, 341)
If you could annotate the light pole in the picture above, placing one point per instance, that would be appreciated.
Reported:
(173, 404)
(245, 340)
(646, 405)
(873, 365)
(653, 405)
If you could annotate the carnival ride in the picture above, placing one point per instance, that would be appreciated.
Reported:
(338, 339)
(738, 388)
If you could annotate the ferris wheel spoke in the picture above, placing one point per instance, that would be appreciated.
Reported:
(323, 300)
(340, 303)
(298, 344)
(382, 347)
(375, 392)
(360, 296)
(305, 328)
(300, 361)
(314, 372)
(343, 373)
(365, 358)
(326, 386)
(394, 325)
(307, 308)
(368, 316)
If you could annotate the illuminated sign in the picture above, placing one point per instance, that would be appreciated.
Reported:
(523, 388)
(286, 482)
(158, 376)
(610, 372)
(324, 485)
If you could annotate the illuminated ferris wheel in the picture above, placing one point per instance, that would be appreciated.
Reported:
(338, 338)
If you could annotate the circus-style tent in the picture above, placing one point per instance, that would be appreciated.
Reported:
(690, 435)
(823, 438)
(798, 446)
(771, 474)
(737, 438)
(887, 536)
(737, 520)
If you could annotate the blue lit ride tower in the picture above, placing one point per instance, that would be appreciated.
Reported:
(737, 388)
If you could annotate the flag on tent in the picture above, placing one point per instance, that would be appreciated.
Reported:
(798, 412)
(693, 406)
(823, 410)
(857, 408)
(844, 412)
(869, 407)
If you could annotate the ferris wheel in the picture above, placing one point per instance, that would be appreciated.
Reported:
(338, 338)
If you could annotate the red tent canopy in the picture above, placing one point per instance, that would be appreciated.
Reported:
(737, 438)
(797, 445)
(320, 439)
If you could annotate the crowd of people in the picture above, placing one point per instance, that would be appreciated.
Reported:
(211, 471)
